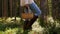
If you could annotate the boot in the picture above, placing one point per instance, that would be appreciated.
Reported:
(25, 25)
(28, 24)
(31, 22)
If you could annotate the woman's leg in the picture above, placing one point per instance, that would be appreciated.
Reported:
(35, 8)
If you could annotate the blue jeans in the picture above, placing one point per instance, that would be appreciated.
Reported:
(35, 8)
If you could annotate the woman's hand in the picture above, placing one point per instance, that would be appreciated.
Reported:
(27, 5)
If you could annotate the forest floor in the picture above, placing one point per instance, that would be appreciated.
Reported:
(36, 29)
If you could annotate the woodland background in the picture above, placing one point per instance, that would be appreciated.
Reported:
(11, 23)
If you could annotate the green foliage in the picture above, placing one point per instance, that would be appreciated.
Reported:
(2, 27)
(41, 22)
(10, 25)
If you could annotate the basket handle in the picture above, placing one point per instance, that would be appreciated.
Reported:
(27, 10)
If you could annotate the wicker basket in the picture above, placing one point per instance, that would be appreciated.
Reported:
(27, 15)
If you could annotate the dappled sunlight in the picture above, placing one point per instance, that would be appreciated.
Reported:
(11, 31)
(10, 19)
(36, 27)
(50, 19)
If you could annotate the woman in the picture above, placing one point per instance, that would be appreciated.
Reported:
(33, 7)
